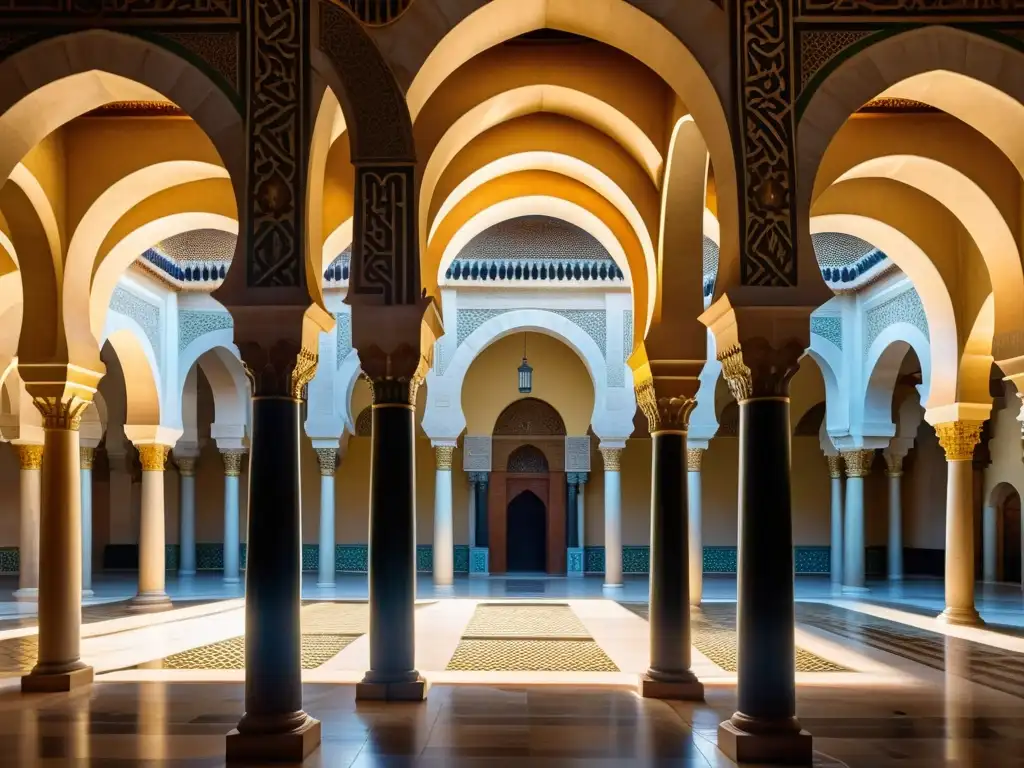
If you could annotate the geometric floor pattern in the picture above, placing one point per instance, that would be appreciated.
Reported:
(528, 638)
(18, 655)
(230, 654)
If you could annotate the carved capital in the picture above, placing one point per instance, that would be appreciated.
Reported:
(153, 456)
(756, 369)
(186, 465)
(665, 389)
(30, 456)
(281, 370)
(443, 455)
(664, 413)
(232, 462)
(396, 347)
(61, 413)
(958, 439)
(86, 456)
(835, 466)
(858, 462)
(694, 457)
(612, 459)
(328, 460)
(581, 478)
(478, 478)
(893, 464)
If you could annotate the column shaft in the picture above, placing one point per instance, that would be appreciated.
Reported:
(958, 439)
(694, 457)
(152, 594)
(571, 524)
(835, 469)
(989, 543)
(471, 513)
(30, 458)
(612, 517)
(581, 510)
(232, 544)
(444, 537)
(482, 533)
(895, 548)
(85, 459)
(187, 505)
(858, 464)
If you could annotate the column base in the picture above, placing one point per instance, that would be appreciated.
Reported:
(186, 573)
(149, 602)
(232, 581)
(27, 595)
(847, 590)
(675, 690)
(87, 593)
(771, 746)
(966, 617)
(479, 561)
(291, 746)
(57, 682)
(415, 690)
(326, 584)
(612, 586)
(574, 562)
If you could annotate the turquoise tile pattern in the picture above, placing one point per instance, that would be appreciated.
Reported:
(9, 560)
(574, 560)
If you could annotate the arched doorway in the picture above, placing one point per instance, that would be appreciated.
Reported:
(1010, 551)
(526, 534)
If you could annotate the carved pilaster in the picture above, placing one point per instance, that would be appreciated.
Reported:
(232, 462)
(30, 456)
(443, 455)
(612, 459)
(86, 456)
(958, 439)
(756, 369)
(694, 457)
(858, 462)
(328, 460)
(153, 456)
(835, 466)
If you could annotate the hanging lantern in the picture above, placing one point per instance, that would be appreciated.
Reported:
(525, 373)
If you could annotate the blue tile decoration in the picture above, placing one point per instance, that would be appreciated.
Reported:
(171, 553)
(478, 560)
(9, 560)
(209, 557)
(574, 561)
(593, 559)
(813, 559)
(424, 558)
(352, 558)
(310, 557)
(462, 558)
(720, 560)
(636, 559)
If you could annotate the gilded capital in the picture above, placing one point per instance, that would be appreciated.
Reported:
(232, 462)
(858, 462)
(153, 456)
(443, 454)
(61, 413)
(86, 457)
(755, 369)
(612, 459)
(186, 465)
(959, 439)
(328, 460)
(694, 457)
(664, 413)
(835, 466)
(893, 464)
(30, 456)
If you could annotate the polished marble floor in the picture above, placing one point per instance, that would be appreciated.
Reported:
(526, 671)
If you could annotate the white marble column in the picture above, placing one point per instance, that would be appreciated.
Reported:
(694, 457)
(835, 473)
(989, 543)
(444, 542)
(187, 516)
(958, 439)
(232, 541)
(858, 466)
(30, 461)
(152, 541)
(328, 461)
(894, 472)
(612, 516)
(86, 456)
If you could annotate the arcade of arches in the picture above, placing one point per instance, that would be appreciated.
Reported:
(511, 343)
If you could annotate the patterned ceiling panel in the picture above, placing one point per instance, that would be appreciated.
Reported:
(199, 245)
(836, 250)
(534, 237)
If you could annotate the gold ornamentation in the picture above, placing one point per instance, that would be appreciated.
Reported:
(232, 462)
(186, 465)
(328, 460)
(612, 459)
(443, 455)
(736, 374)
(835, 466)
(152, 456)
(86, 456)
(30, 456)
(304, 371)
(858, 462)
(959, 439)
(663, 413)
(893, 464)
(767, 143)
(61, 414)
(756, 369)
(694, 457)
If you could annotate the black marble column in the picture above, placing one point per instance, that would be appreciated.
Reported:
(273, 670)
(482, 532)
(572, 531)
(392, 551)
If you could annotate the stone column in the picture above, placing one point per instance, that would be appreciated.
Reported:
(958, 439)
(764, 728)
(479, 553)
(392, 560)
(471, 510)
(581, 509)
(152, 541)
(894, 471)
(694, 458)
(187, 503)
(85, 457)
(59, 666)
(30, 460)
(612, 517)
(328, 461)
(989, 543)
(858, 466)
(573, 550)
(835, 472)
(444, 536)
(669, 675)
(232, 543)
